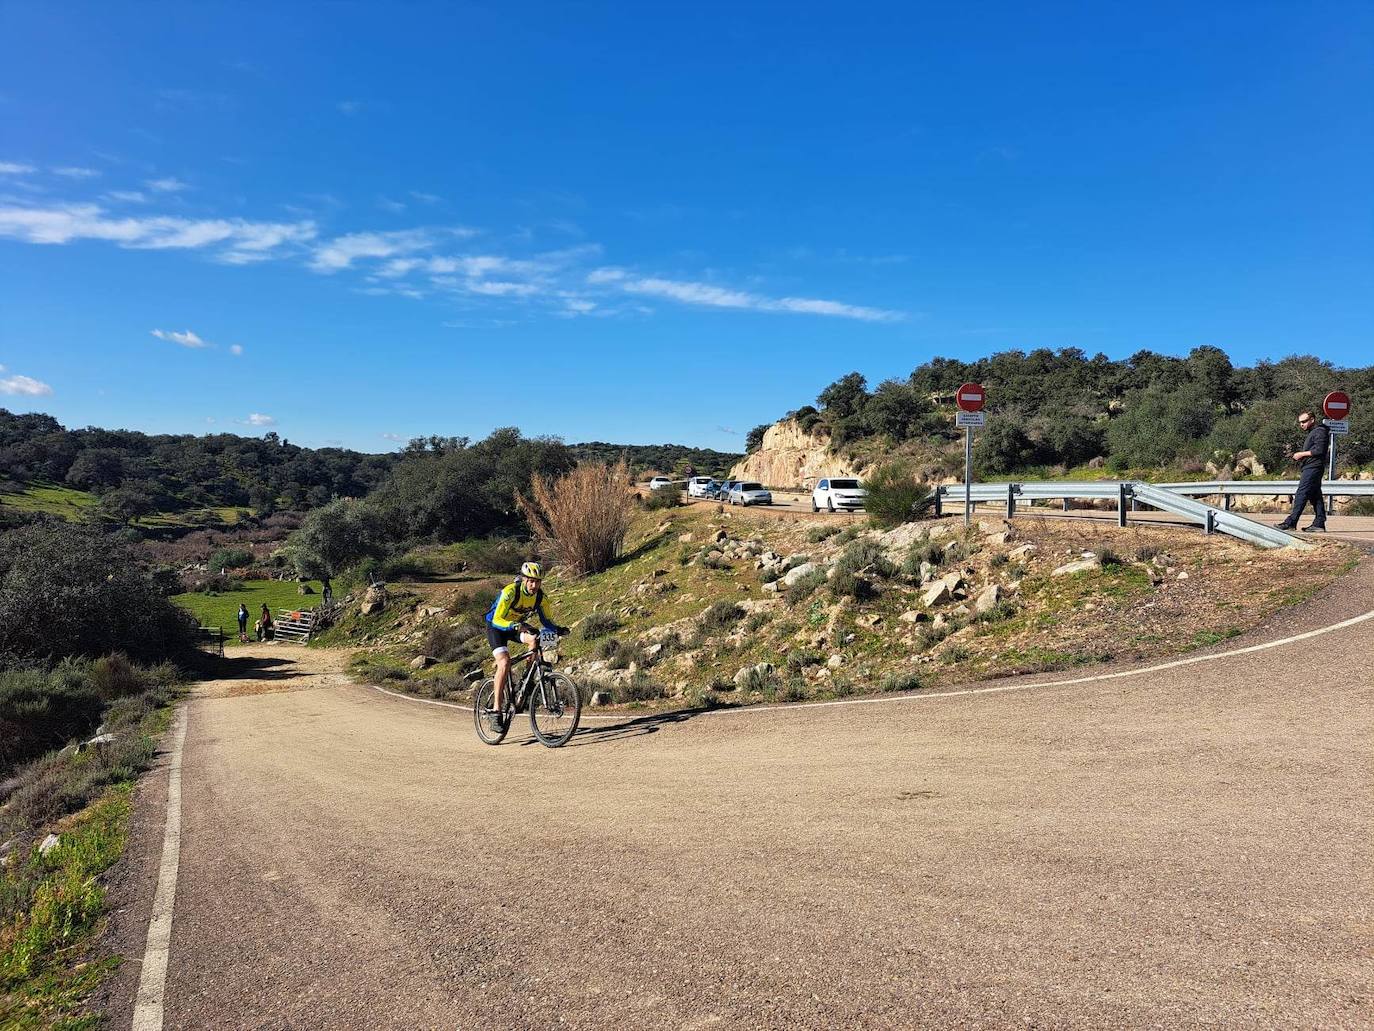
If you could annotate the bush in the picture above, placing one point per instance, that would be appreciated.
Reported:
(896, 495)
(230, 558)
(721, 616)
(642, 688)
(69, 590)
(598, 624)
(583, 516)
(487, 555)
(865, 555)
(667, 497)
(1360, 507)
(757, 621)
(1109, 557)
(820, 533)
(805, 586)
(451, 643)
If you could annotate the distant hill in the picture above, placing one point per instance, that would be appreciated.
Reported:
(664, 458)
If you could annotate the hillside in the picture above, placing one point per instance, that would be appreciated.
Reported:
(1053, 412)
(722, 607)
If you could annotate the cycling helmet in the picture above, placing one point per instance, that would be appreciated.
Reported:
(533, 570)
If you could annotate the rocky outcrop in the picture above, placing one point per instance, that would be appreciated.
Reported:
(790, 457)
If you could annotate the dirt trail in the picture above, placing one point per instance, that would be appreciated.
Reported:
(1188, 847)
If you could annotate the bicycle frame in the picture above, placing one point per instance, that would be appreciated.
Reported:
(534, 664)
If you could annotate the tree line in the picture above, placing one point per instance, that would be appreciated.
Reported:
(1062, 408)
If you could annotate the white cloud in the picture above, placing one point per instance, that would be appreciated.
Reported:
(70, 172)
(426, 198)
(387, 204)
(185, 338)
(497, 288)
(128, 196)
(26, 386)
(59, 225)
(171, 184)
(342, 251)
(236, 349)
(349, 107)
(258, 419)
(711, 296)
(393, 437)
(14, 168)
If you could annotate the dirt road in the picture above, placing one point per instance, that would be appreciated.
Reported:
(1186, 847)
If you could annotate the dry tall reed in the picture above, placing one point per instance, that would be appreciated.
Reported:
(581, 518)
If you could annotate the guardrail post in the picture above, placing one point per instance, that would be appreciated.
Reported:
(1121, 491)
(939, 499)
(1226, 501)
(1211, 524)
(1011, 500)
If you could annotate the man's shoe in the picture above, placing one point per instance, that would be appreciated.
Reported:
(1314, 528)
(1285, 525)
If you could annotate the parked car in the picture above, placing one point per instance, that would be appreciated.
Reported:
(700, 486)
(722, 490)
(659, 482)
(836, 494)
(750, 494)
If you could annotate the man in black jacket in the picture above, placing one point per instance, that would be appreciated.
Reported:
(1312, 460)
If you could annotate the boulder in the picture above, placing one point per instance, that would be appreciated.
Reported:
(1022, 553)
(912, 616)
(1097, 463)
(935, 593)
(953, 581)
(371, 608)
(98, 741)
(721, 537)
(987, 598)
(771, 587)
(1082, 565)
(796, 573)
(430, 611)
(305, 589)
(653, 651)
(1248, 464)
(927, 572)
(762, 669)
(870, 621)
(422, 661)
(601, 698)
(48, 844)
(686, 538)
(835, 661)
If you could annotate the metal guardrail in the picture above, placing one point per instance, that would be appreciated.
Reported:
(1260, 488)
(1130, 493)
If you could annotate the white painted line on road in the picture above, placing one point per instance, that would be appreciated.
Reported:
(152, 985)
(757, 710)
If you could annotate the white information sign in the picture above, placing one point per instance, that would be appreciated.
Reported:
(974, 419)
(1337, 425)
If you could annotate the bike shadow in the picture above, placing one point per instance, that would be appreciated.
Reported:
(632, 726)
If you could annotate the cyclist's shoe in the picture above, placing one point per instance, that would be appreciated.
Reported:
(495, 719)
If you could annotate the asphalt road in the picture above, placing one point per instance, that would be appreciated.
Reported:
(1187, 847)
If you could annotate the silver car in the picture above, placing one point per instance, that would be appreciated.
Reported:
(749, 494)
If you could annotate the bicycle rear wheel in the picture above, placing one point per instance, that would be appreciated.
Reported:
(555, 709)
(481, 701)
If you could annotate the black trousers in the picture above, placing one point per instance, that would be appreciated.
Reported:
(1309, 489)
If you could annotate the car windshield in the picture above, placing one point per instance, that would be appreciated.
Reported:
(751, 486)
(844, 484)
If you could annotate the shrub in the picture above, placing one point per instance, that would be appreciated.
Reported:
(230, 558)
(923, 549)
(450, 643)
(756, 621)
(721, 616)
(851, 585)
(657, 500)
(1109, 557)
(865, 555)
(1148, 552)
(901, 682)
(598, 624)
(805, 586)
(820, 533)
(642, 688)
(489, 554)
(582, 516)
(896, 495)
(471, 604)
(756, 680)
(955, 655)
(800, 658)
(715, 561)
(1360, 507)
(607, 647)
(114, 676)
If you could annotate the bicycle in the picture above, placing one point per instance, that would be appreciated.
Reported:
(553, 700)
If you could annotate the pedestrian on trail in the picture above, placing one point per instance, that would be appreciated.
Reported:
(243, 623)
(265, 624)
(1312, 460)
(328, 593)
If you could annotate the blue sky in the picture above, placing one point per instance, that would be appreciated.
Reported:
(355, 223)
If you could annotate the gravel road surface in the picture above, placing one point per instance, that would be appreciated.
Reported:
(1183, 848)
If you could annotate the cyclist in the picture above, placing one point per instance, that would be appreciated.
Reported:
(506, 622)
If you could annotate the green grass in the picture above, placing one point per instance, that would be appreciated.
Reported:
(52, 905)
(222, 609)
(1206, 638)
(50, 499)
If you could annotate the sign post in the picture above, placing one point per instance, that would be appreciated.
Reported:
(971, 398)
(1336, 405)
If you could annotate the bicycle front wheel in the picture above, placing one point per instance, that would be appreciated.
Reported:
(487, 730)
(555, 708)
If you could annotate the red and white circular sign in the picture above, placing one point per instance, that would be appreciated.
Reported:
(972, 397)
(1337, 405)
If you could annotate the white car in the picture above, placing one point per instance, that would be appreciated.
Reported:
(659, 482)
(700, 486)
(835, 494)
(750, 494)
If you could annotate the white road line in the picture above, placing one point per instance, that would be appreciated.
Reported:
(758, 710)
(152, 985)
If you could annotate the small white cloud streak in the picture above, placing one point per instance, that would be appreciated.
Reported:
(25, 386)
(243, 241)
(342, 251)
(128, 196)
(396, 437)
(711, 296)
(70, 172)
(170, 184)
(15, 168)
(184, 338)
(258, 419)
(236, 349)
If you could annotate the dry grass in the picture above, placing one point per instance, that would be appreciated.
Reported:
(582, 517)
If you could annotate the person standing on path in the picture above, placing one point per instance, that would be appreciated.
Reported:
(1312, 460)
(243, 623)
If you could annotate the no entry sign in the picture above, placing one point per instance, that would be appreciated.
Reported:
(972, 397)
(1337, 405)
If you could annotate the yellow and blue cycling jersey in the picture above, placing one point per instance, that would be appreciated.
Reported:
(515, 605)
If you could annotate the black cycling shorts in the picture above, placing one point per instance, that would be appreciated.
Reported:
(498, 638)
